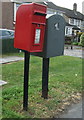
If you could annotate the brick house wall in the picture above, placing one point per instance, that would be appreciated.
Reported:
(0, 14)
(7, 15)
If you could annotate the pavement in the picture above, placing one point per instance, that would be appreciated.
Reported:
(74, 111)
(75, 52)
(10, 59)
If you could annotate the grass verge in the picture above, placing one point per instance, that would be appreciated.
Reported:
(65, 80)
(20, 54)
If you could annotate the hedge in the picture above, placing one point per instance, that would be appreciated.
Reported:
(8, 46)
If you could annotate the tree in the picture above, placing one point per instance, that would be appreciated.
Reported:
(82, 40)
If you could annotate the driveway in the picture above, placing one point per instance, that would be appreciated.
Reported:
(77, 51)
(74, 53)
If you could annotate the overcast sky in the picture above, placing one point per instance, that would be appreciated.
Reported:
(69, 3)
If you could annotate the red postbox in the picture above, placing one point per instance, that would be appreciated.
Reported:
(30, 27)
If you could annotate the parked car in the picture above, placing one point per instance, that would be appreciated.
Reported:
(7, 41)
(6, 34)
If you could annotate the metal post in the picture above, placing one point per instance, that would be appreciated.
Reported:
(45, 76)
(26, 79)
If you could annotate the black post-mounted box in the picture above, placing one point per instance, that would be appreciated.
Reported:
(54, 37)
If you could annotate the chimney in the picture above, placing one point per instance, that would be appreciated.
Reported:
(75, 7)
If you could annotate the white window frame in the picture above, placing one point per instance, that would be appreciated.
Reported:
(68, 31)
(76, 22)
(15, 8)
(79, 23)
(14, 12)
(73, 21)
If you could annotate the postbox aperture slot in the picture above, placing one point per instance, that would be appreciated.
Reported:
(39, 13)
(38, 25)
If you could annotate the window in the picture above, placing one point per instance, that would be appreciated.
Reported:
(69, 31)
(16, 5)
(76, 22)
(79, 23)
(12, 33)
(66, 31)
(5, 33)
(72, 21)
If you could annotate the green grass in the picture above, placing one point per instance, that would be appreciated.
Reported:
(65, 79)
(20, 54)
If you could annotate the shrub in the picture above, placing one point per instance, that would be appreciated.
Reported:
(68, 39)
(79, 34)
(68, 42)
(8, 46)
(82, 40)
(79, 44)
(75, 43)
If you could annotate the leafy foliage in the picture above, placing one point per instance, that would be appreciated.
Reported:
(82, 39)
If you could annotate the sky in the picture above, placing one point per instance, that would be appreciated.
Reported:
(69, 3)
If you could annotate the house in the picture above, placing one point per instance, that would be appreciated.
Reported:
(9, 9)
(83, 14)
(74, 19)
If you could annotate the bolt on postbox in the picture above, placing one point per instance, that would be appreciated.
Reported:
(30, 27)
